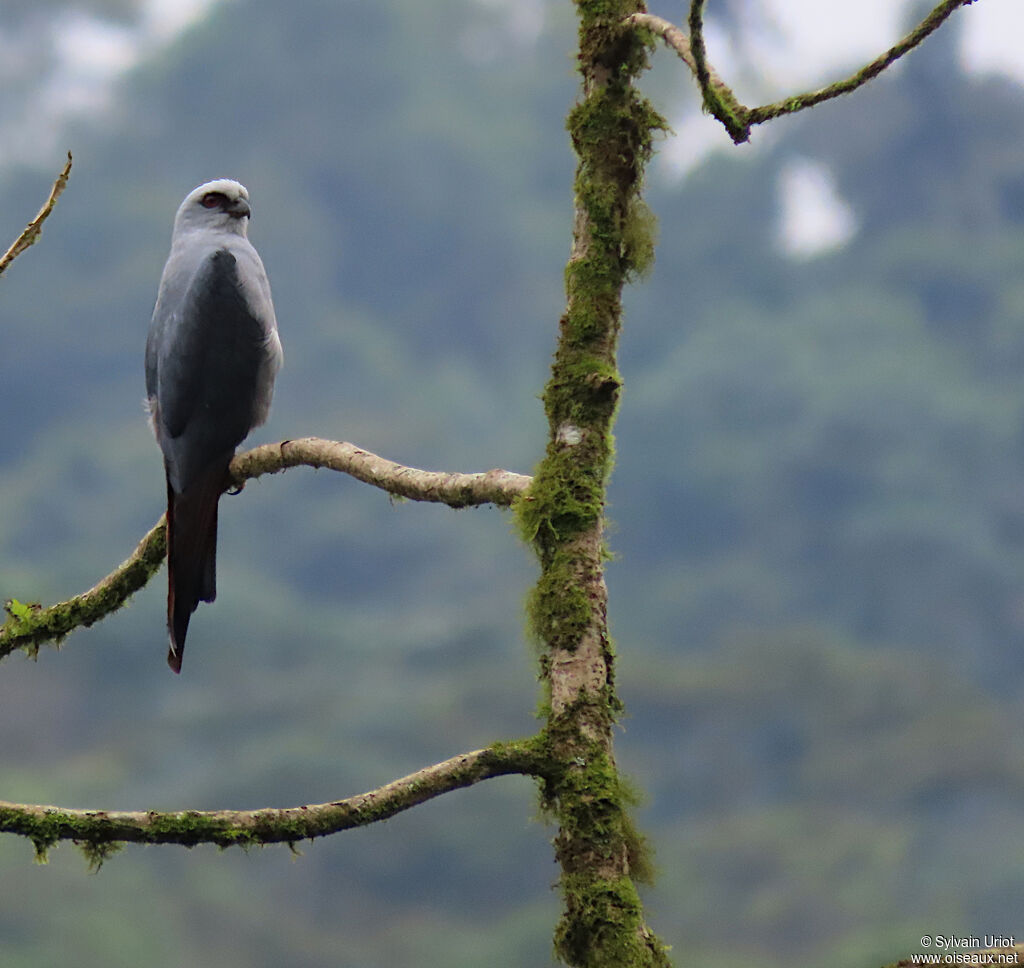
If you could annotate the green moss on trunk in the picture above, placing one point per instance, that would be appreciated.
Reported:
(600, 853)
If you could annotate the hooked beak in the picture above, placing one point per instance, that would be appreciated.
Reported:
(240, 209)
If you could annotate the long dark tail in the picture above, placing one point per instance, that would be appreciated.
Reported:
(191, 553)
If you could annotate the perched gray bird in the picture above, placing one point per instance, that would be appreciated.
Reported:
(211, 358)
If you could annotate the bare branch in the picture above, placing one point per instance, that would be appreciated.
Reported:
(29, 626)
(457, 490)
(719, 99)
(100, 830)
(33, 229)
(670, 33)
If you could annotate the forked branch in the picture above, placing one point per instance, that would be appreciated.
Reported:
(29, 626)
(718, 97)
(99, 832)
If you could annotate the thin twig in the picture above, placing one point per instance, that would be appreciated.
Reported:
(793, 104)
(670, 33)
(100, 830)
(29, 626)
(697, 48)
(716, 96)
(33, 229)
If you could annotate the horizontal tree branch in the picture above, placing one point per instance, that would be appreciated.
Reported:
(29, 626)
(100, 832)
(718, 97)
(32, 230)
(457, 490)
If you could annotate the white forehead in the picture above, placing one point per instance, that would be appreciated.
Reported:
(226, 186)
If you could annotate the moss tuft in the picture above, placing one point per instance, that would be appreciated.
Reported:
(42, 847)
(639, 237)
(567, 495)
(97, 852)
(558, 610)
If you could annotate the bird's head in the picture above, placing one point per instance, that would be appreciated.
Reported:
(222, 204)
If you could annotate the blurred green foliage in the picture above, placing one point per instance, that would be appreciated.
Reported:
(818, 509)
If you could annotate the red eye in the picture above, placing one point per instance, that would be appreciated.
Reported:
(213, 200)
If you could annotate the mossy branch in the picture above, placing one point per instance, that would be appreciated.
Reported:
(35, 227)
(29, 626)
(718, 97)
(700, 66)
(100, 832)
(799, 102)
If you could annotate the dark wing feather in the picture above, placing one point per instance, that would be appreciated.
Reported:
(208, 362)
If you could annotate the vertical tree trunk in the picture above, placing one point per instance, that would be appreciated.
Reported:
(600, 854)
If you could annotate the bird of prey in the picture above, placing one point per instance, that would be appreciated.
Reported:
(211, 358)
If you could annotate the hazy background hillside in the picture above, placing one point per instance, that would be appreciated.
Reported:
(818, 505)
